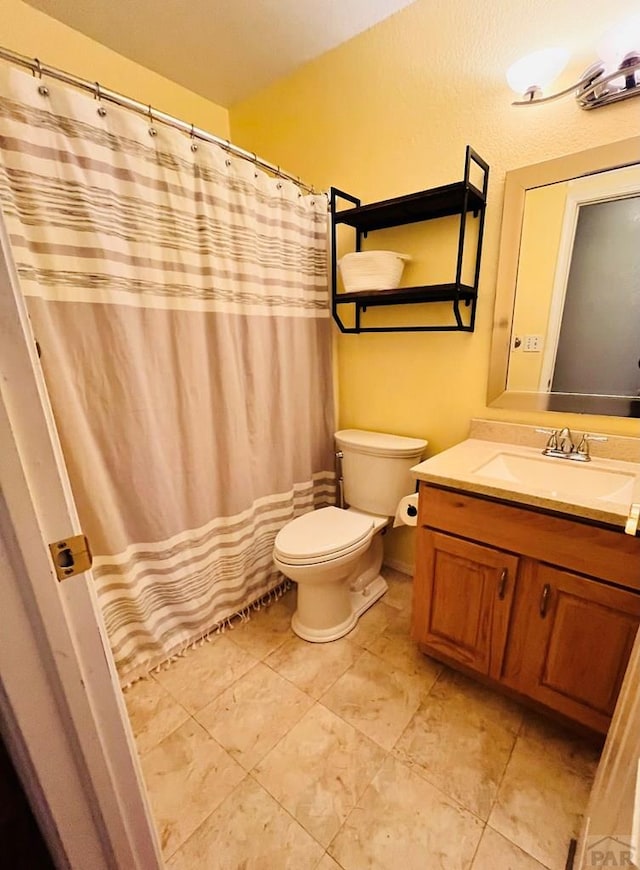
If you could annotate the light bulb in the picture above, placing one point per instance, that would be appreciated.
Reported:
(537, 70)
(619, 41)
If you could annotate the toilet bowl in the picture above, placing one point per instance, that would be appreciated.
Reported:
(335, 557)
(334, 554)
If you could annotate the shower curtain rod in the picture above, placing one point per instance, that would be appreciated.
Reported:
(100, 93)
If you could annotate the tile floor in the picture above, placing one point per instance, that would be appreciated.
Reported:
(262, 751)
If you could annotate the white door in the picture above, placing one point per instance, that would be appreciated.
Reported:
(61, 710)
(602, 303)
(606, 327)
(611, 830)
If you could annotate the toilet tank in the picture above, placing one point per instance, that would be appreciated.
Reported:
(375, 468)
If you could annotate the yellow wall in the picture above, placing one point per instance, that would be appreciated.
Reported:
(32, 33)
(539, 245)
(385, 114)
(390, 112)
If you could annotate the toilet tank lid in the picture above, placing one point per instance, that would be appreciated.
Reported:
(380, 443)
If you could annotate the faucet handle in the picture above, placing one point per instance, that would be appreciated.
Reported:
(583, 446)
(552, 443)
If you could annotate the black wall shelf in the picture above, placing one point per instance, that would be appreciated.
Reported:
(422, 206)
(459, 198)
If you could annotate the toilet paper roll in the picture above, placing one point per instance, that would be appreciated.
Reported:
(407, 511)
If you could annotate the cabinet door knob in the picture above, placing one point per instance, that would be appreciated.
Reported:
(502, 583)
(544, 599)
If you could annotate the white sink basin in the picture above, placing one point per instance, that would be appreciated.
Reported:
(560, 478)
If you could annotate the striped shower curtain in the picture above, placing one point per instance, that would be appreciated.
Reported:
(179, 298)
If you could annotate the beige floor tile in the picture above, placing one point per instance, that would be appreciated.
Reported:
(404, 822)
(249, 831)
(153, 713)
(396, 647)
(372, 623)
(496, 853)
(187, 775)
(544, 791)
(376, 698)
(327, 863)
(319, 770)
(400, 589)
(251, 716)
(461, 739)
(313, 667)
(199, 676)
(400, 620)
(290, 598)
(267, 629)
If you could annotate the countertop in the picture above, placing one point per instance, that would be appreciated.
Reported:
(456, 468)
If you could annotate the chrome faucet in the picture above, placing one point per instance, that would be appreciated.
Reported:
(562, 446)
(566, 444)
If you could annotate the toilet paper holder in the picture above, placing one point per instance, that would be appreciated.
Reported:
(407, 511)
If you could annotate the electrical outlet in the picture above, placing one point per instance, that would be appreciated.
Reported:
(532, 343)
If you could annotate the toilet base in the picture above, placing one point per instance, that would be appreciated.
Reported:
(360, 601)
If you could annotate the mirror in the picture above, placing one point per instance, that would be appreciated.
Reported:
(567, 318)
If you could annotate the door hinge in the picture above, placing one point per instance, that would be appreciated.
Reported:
(71, 556)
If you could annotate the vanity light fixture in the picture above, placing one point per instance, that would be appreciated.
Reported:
(614, 77)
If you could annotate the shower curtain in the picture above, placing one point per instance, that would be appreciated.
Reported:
(179, 299)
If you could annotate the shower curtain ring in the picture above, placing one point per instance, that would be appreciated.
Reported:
(256, 174)
(279, 175)
(43, 90)
(98, 96)
(152, 129)
(194, 144)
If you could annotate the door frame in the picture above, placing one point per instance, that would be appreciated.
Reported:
(61, 708)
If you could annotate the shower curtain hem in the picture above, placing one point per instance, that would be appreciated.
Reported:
(155, 664)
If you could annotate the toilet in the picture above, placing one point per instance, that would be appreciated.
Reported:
(335, 554)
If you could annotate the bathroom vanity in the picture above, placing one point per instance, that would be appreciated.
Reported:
(524, 587)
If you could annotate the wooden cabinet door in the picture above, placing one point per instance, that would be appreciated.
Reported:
(570, 643)
(462, 600)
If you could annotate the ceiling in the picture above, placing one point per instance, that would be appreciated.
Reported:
(223, 50)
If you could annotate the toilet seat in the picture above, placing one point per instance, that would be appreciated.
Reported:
(322, 535)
